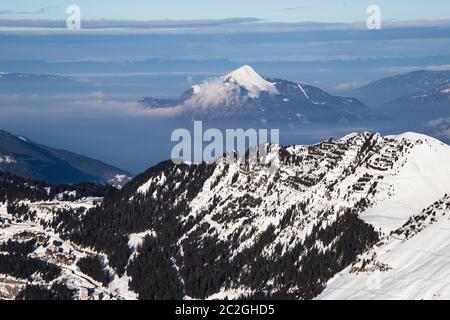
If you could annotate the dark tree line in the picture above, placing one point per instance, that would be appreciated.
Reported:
(21, 211)
(24, 267)
(93, 267)
(106, 227)
(18, 248)
(35, 292)
(13, 188)
(153, 273)
(309, 274)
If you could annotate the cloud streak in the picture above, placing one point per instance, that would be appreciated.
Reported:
(129, 24)
(95, 105)
(296, 8)
(210, 26)
(43, 10)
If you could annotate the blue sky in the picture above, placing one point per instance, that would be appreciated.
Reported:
(280, 10)
(103, 121)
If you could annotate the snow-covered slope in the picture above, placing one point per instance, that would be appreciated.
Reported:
(317, 220)
(293, 214)
(422, 179)
(410, 263)
(412, 257)
(386, 179)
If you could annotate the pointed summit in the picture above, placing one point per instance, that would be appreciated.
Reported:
(249, 79)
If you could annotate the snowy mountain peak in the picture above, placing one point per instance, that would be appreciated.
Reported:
(248, 78)
(244, 95)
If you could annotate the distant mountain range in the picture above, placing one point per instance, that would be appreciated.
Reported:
(415, 98)
(244, 95)
(25, 158)
(40, 83)
(421, 106)
(387, 90)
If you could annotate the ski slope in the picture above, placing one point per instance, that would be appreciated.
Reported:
(414, 267)
(418, 268)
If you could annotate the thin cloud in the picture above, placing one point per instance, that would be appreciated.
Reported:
(212, 26)
(43, 10)
(396, 70)
(296, 8)
(93, 105)
(118, 24)
(441, 127)
(210, 95)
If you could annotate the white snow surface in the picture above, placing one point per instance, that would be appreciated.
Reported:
(119, 180)
(248, 78)
(414, 267)
(424, 178)
(7, 159)
(417, 268)
(303, 90)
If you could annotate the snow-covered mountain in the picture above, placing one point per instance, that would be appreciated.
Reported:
(252, 82)
(409, 263)
(331, 218)
(26, 158)
(245, 95)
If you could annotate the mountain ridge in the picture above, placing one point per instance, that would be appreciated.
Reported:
(25, 158)
(228, 230)
(401, 85)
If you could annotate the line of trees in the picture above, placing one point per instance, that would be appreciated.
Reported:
(57, 291)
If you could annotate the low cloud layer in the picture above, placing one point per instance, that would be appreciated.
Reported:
(43, 10)
(213, 94)
(207, 98)
(127, 25)
(211, 26)
(63, 106)
(441, 127)
(97, 104)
